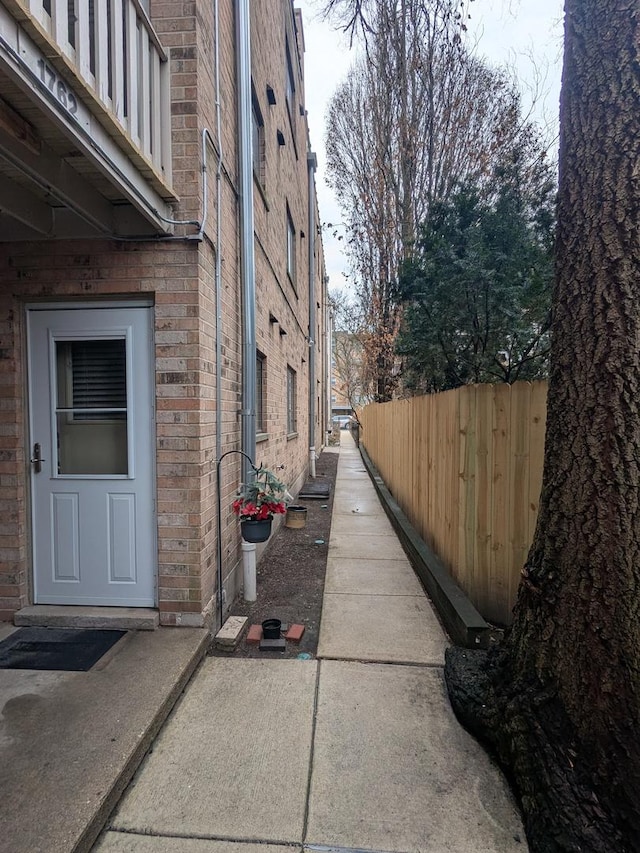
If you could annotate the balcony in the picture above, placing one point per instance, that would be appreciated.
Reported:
(85, 124)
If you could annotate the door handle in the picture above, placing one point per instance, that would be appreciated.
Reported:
(37, 459)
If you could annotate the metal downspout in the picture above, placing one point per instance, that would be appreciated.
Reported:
(312, 163)
(247, 271)
(218, 297)
(329, 359)
(218, 266)
(247, 260)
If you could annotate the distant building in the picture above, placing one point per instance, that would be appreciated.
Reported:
(348, 384)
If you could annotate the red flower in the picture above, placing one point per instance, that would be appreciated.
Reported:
(248, 509)
(245, 509)
(261, 498)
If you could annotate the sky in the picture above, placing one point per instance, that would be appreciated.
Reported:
(526, 34)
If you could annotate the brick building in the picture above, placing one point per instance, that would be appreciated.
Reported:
(162, 295)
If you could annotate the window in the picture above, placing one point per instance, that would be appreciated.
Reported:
(291, 248)
(257, 138)
(290, 97)
(290, 89)
(91, 406)
(261, 361)
(292, 401)
(92, 379)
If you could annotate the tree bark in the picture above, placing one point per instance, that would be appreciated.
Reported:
(560, 699)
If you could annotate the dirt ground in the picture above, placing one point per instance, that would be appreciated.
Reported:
(290, 575)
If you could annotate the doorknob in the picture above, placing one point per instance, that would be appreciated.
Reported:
(37, 459)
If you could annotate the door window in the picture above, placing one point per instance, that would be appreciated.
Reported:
(91, 407)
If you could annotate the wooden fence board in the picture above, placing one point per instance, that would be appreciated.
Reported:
(436, 472)
(519, 488)
(451, 505)
(500, 521)
(466, 565)
(484, 496)
(419, 467)
(538, 419)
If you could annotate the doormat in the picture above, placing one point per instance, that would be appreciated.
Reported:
(67, 649)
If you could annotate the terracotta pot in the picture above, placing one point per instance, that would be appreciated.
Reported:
(256, 530)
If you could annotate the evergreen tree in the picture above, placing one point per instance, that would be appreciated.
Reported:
(476, 292)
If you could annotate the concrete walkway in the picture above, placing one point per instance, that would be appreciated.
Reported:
(358, 749)
(71, 741)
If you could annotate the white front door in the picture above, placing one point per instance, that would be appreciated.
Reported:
(92, 445)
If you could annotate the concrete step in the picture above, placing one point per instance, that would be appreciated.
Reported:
(59, 616)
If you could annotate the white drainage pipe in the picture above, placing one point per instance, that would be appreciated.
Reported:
(249, 570)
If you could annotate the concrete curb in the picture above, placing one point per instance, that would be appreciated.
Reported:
(462, 621)
(132, 761)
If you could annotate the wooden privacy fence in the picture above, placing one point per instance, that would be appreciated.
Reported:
(466, 468)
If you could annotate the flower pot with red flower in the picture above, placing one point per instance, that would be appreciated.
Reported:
(256, 504)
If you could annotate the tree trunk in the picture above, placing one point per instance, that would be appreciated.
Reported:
(560, 699)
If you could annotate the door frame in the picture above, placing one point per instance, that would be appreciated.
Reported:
(80, 304)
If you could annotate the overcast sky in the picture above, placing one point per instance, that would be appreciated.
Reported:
(505, 31)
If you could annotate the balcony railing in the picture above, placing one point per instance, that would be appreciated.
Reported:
(112, 48)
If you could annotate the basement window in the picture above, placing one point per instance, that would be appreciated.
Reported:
(291, 249)
(292, 401)
(257, 139)
(261, 376)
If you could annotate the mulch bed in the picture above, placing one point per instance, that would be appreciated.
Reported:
(290, 576)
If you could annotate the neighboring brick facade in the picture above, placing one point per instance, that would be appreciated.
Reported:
(178, 276)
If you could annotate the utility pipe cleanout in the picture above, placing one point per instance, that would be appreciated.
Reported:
(247, 260)
(312, 162)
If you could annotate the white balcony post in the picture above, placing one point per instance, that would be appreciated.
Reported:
(36, 8)
(60, 24)
(156, 100)
(145, 106)
(165, 121)
(117, 60)
(102, 50)
(83, 47)
(132, 76)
